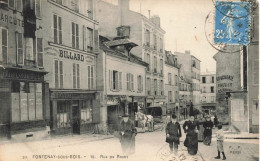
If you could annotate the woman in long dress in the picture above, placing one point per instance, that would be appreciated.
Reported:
(201, 121)
(128, 133)
(191, 128)
(208, 125)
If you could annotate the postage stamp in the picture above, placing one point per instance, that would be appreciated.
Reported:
(232, 23)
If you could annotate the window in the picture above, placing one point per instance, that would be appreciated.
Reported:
(19, 5)
(29, 49)
(193, 63)
(147, 37)
(203, 79)
(182, 87)
(90, 9)
(115, 80)
(19, 48)
(57, 29)
(86, 112)
(148, 61)
(58, 74)
(212, 89)
(37, 8)
(169, 96)
(76, 76)
(90, 77)
(255, 71)
(90, 39)
(75, 35)
(130, 81)
(63, 114)
(161, 45)
(170, 78)
(39, 52)
(176, 96)
(212, 99)
(176, 79)
(74, 5)
(161, 66)
(155, 87)
(148, 86)
(155, 64)
(161, 88)
(11, 3)
(154, 41)
(140, 83)
(212, 79)
(26, 101)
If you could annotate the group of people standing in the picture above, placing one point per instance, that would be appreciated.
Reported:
(196, 131)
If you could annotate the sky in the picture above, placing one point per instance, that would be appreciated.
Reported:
(183, 21)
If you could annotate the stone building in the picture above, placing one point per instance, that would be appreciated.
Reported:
(70, 53)
(171, 77)
(208, 92)
(24, 106)
(122, 77)
(146, 33)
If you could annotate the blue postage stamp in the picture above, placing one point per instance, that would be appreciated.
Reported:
(232, 23)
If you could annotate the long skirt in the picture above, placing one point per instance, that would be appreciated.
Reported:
(207, 139)
(200, 134)
(128, 144)
(191, 142)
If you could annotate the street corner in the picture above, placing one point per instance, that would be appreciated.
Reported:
(164, 154)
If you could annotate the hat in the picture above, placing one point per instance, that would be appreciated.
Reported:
(125, 115)
(207, 116)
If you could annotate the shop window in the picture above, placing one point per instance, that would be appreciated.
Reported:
(75, 35)
(26, 101)
(86, 112)
(63, 117)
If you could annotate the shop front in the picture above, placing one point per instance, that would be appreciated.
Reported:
(74, 112)
(24, 106)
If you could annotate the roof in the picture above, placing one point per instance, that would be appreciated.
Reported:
(120, 42)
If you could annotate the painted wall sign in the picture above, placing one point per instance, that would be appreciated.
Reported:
(228, 77)
(21, 75)
(71, 55)
(60, 95)
(11, 20)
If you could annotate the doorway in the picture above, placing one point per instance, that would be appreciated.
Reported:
(75, 117)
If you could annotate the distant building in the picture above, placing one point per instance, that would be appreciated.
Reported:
(147, 34)
(171, 79)
(122, 77)
(208, 92)
(191, 68)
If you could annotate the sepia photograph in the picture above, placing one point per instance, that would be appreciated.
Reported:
(129, 80)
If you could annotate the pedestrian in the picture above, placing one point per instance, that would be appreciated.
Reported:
(201, 121)
(173, 133)
(215, 121)
(128, 133)
(208, 125)
(191, 128)
(220, 141)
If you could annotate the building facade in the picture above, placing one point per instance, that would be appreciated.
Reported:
(195, 78)
(124, 89)
(71, 46)
(171, 79)
(147, 34)
(208, 92)
(24, 108)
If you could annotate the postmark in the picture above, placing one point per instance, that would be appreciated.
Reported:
(232, 23)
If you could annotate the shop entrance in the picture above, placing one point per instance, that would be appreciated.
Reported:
(75, 117)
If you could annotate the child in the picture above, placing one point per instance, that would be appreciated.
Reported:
(173, 133)
(220, 140)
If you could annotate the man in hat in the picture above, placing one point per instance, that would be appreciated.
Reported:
(128, 133)
(191, 128)
(208, 125)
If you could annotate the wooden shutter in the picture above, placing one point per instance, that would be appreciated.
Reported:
(61, 74)
(39, 52)
(142, 84)
(56, 72)
(19, 47)
(78, 76)
(110, 79)
(84, 38)
(74, 75)
(55, 29)
(96, 111)
(96, 41)
(128, 81)
(60, 30)
(120, 80)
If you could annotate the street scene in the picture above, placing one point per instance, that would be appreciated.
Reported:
(129, 80)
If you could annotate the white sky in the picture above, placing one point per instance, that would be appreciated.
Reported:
(183, 21)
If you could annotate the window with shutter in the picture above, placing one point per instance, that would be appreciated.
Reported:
(78, 76)
(61, 74)
(85, 47)
(5, 45)
(39, 52)
(37, 8)
(110, 79)
(90, 39)
(57, 29)
(89, 79)
(74, 75)
(19, 43)
(11, 4)
(56, 73)
(256, 72)
(92, 77)
(29, 49)
(128, 81)
(132, 82)
(120, 80)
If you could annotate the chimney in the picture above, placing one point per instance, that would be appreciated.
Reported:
(123, 4)
(187, 51)
(156, 20)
